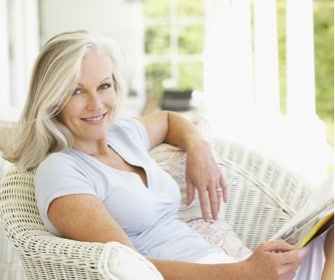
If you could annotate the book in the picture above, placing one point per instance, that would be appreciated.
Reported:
(313, 219)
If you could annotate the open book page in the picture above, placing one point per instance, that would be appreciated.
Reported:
(316, 216)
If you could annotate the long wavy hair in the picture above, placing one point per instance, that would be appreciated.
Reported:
(55, 75)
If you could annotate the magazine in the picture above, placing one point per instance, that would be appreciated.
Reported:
(315, 217)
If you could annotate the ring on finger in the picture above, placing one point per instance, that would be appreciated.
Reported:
(218, 190)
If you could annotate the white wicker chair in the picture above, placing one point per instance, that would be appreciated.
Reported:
(45, 256)
(263, 196)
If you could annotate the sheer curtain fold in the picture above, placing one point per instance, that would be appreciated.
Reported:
(241, 56)
(241, 82)
(20, 43)
(227, 47)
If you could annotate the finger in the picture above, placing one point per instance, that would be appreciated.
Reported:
(190, 193)
(295, 256)
(277, 246)
(224, 189)
(286, 263)
(204, 205)
(290, 263)
(290, 260)
(219, 194)
(214, 197)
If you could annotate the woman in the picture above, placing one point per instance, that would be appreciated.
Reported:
(95, 180)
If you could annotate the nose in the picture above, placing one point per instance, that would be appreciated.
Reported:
(94, 101)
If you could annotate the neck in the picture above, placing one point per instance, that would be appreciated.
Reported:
(96, 148)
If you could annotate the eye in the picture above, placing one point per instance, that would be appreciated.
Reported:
(104, 86)
(77, 91)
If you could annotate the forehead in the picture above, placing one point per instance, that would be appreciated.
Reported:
(95, 64)
(95, 56)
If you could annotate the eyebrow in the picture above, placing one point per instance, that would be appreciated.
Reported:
(105, 79)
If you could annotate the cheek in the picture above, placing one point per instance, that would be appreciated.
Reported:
(112, 99)
(65, 118)
(69, 112)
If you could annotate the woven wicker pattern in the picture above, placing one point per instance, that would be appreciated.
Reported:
(262, 194)
(262, 197)
(10, 265)
(45, 256)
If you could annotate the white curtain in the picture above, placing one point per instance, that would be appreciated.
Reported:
(19, 29)
(241, 82)
(228, 86)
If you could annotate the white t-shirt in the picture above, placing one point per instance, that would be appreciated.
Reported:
(146, 214)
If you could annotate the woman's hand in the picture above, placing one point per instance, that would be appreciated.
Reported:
(202, 171)
(274, 260)
(203, 174)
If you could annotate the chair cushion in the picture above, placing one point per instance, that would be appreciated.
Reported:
(172, 160)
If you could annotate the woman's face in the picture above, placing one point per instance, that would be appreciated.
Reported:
(89, 110)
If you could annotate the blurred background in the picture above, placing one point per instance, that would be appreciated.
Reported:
(261, 71)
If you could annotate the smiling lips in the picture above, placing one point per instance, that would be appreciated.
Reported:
(95, 119)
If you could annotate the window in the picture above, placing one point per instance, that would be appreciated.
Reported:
(174, 39)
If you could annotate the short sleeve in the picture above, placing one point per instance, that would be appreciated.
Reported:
(56, 176)
(134, 130)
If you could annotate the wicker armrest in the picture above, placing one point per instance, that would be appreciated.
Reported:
(121, 262)
(50, 257)
(263, 195)
(45, 256)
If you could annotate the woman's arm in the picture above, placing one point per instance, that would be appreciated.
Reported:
(202, 171)
(172, 128)
(271, 260)
(85, 218)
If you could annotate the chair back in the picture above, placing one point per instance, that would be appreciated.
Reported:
(46, 256)
(40, 251)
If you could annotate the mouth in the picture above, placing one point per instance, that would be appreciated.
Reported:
(94, 119)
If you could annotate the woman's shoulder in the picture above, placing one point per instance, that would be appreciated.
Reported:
(129, 129)
(128, 123)
(57, 157)
(58, 162)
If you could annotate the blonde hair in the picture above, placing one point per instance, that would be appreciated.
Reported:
(54, 77)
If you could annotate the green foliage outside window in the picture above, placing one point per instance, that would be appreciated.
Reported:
(180, 55)
(324, 63)
(157, 44)
(156, 8)
(191, 39)
(324, 60)
(156, 74)
(190, 8)
(190, 75)
(190, 42)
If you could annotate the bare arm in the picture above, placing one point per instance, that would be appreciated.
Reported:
(202, 171)
(84, 217)
(263, 264)
(172, 128)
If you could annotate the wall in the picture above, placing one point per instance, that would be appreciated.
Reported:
(27, 24)
(120, 19)
(18, 49)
